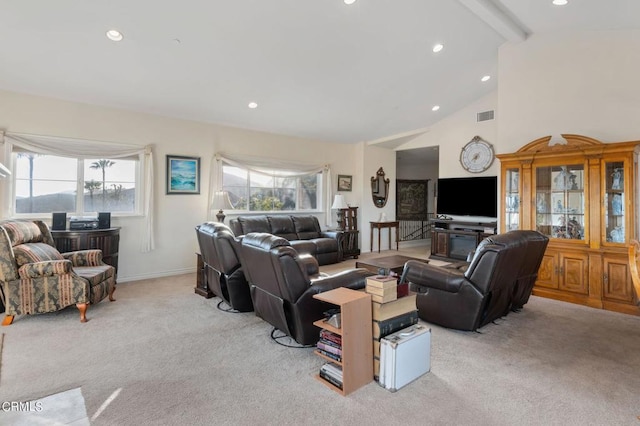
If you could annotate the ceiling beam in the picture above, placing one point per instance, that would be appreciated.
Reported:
(496, 18)
(395, 141)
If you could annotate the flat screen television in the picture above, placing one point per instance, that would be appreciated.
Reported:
(468, 196)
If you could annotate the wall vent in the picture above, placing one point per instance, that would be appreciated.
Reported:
(485, 115)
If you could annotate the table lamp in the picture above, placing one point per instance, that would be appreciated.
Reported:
(221, 202)
(339, 204)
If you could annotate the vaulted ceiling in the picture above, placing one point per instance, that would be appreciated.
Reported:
(317, 69)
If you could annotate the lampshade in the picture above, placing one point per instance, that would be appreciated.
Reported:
(221, 201)
(339, 203)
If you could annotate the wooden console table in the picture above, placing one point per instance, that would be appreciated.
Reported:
(107, 240)
(381, 225)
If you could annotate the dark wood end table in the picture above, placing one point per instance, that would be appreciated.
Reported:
(387, 264)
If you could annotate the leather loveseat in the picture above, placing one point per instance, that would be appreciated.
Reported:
(302, 232)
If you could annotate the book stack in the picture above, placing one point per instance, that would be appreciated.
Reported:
(330, 345)
(332, 373)
(389, 316)
(382, 288)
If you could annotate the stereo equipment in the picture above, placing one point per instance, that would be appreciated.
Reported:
(83, 222)
(59, 221)
(104, 220)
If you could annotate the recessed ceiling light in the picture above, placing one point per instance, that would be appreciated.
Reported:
(435, 108)
(485, 78)
(253, 105)
(438, 47)
(560, 2)
(349, 1)
(114, 35)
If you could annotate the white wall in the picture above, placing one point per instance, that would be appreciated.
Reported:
(584, 83)
(454, 131)
(175, 215)
(373, 158)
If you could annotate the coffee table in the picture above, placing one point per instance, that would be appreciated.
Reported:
(387, 264)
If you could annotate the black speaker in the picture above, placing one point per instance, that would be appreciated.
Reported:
(104, 220)
(59, 221)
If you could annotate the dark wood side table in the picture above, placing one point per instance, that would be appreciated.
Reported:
(381, 225)
(107, 240)
(350, 246)
(201, 279)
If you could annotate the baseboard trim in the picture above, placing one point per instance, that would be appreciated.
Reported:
(157, 275)
(415, 243)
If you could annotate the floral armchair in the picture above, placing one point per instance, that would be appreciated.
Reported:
(36, 278)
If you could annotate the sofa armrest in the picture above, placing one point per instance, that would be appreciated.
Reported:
(47, 268)
(91, 257)
(310, 309)
(425, 275)
(310, 264)
(355, 279)
(336, 235)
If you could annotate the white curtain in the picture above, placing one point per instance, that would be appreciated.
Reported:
(80, 148)
(269, 166)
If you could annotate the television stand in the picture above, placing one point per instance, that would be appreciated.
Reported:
(455, 239)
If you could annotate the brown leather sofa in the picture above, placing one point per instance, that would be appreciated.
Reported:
(498, 279)
(283, 283)
(302, 232)
(222, 268)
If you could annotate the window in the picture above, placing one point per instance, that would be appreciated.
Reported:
(48, 183)
(276, 191)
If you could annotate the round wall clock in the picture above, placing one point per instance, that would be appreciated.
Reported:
(477, 155)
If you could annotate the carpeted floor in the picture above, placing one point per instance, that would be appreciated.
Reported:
(162, 355)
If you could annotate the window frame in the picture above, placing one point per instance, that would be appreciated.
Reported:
(79, 210)
(275, 176)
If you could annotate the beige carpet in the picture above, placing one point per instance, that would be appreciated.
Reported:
(162, 355)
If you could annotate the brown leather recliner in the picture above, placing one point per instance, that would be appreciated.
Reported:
(283, 284)
(536, 246)
(223, 271)
(470, 299)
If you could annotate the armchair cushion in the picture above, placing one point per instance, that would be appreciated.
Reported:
(35, 252)
(44, 269)
(95, 274)
(84, 257)
(23, 231)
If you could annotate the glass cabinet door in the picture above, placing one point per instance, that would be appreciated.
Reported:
(560, 203)
(614, 212)
(512, 199)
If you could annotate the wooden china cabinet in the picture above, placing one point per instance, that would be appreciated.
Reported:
(583, 195)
